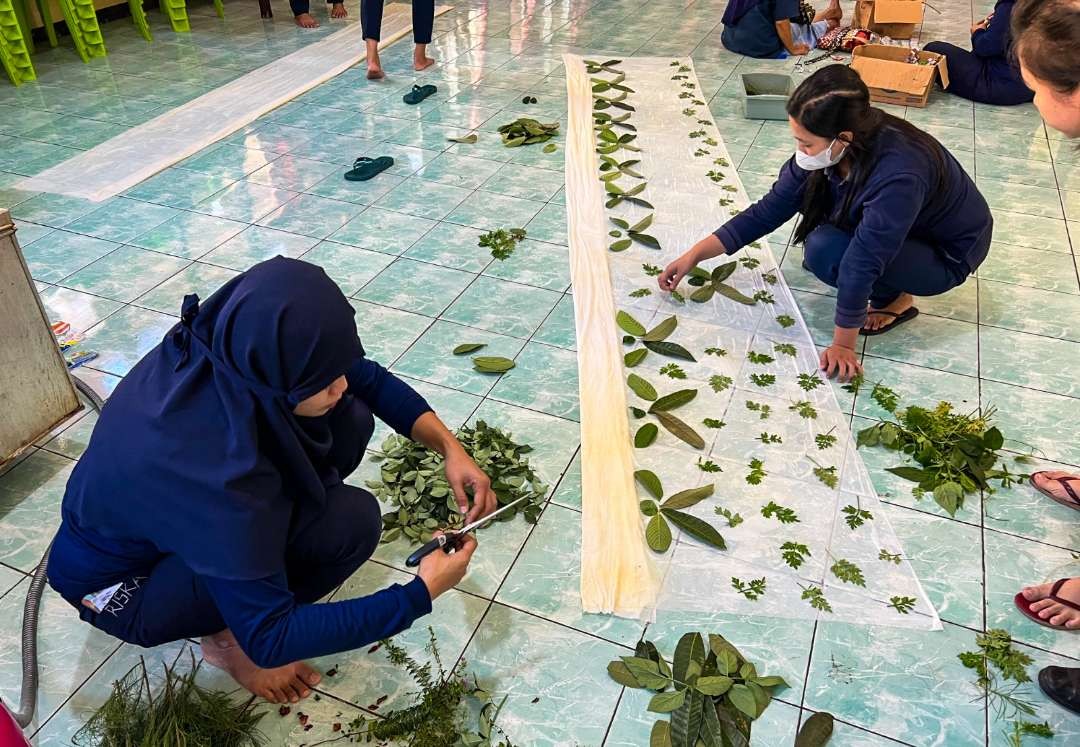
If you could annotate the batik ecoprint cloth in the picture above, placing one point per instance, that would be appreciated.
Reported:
(776, 443)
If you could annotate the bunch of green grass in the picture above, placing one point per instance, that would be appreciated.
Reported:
(181, 713)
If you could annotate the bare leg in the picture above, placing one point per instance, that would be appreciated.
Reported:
(306, 21)
(374, 66)
(286, 684)
(337, 10)
(420, 59)
(832, 13)
(876, 321)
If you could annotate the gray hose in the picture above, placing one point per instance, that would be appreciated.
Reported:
(28, 699)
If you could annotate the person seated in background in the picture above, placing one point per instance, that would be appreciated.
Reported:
(302, 13)
(987, 73)
(771, 29)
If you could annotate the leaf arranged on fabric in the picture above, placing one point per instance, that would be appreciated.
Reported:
(658, 534)
(629, 324)
(646, 435)
(680, 430)
(728, 292)
(635, 357)
(650, 482)
(673, 400)
(641, 387)
(671, 350)
(688, 498)
(661, 331)
(697, 528)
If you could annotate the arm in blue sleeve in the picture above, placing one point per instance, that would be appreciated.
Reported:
(767, 214)
(392, 400)
(273, 630)
(888, 212)
(993, 41)
(784, 10)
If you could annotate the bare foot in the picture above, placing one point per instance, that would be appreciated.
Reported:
(833, 13)
(374, 65)
(420, 59)
(337, 10)
(877, 321)
(306, 21)
(288, 684)
(1050, 482)
(1051, 611)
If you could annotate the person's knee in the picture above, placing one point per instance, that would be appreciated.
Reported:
(822, 251)
(359, 521)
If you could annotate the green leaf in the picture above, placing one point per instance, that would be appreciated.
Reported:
(642, 224)
(492, 364)
(703, 294)
(717, 685)
(620, 246)
(949, 495)
(641, 387)
(658, 534)
(908, 473)
(688, 498)
(771, 681)
(743, 699)
(648, 507)
(465, 139)
(635, 357)
(728, 292)
(686, 721)
(629, 324)
(646, 672)
(723, 272)
(667, 702)
(673, 400)
(689, 657)
(469, 347)
(619, 672)
(671, 350)
(661, 331)
(551, 148)
(660, 735)
(695, 527)
(646, 239)
(680, 430)
(646, 435)
(815, 731)
(848, 572)
(621, 223)
(993, 440)
(650, 482)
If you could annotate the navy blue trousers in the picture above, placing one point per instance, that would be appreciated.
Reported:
(987, 80)
(423, 19)
(170, 602)
(919, 268)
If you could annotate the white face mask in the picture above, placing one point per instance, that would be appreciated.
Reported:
(822, 160)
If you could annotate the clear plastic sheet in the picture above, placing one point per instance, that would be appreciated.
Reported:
(122, 162)
(696, 577)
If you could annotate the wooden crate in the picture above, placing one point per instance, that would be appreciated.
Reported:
(36, 393)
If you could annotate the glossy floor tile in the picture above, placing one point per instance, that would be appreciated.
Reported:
(404, 247)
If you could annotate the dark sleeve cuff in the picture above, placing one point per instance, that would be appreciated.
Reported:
(850, 318)
(416, 591)
(728, 239)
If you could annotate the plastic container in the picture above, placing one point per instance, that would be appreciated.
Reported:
(765, 95)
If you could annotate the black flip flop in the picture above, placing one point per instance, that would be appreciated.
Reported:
(365, 168)
(418, 94)
(898, 319)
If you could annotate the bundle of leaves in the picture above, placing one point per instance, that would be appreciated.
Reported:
(710, 283)
(525, 131)
(437, 716)
(957, 454)
(502, 242)
(413, 481)
(180, 713)
(712, 694)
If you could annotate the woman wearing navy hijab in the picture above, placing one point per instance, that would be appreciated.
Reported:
(210, 502)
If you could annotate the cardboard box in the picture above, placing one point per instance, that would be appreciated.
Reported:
(892, 79)
(896, 19)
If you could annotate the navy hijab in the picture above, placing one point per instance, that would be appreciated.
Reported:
(198, 451)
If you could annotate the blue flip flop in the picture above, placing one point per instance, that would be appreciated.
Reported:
(365, 168)
(418, 94)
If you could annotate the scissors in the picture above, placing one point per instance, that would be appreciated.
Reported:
(451, 540)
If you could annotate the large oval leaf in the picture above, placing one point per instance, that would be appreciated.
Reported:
(660, 735)
(728, 292)
(671, 350)
(723, 272)
(717, 685)
(658, 534)
(680, 430)
(815, 731)
(629, 324)
(619, 672)
(469, 347)
(641, 387)
(688, 498)
(635, 357)
(492, 364)
(703, 294)
(646, 435)
(743, 699)
(661, 331)
(650, 482)
(695, 527)
(673, 400)
(667, 702)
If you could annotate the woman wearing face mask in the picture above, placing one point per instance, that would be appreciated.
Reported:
(211, 500)
(886, 212)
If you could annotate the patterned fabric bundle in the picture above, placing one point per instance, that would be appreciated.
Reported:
(846, 38)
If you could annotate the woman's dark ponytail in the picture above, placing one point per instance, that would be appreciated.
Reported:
(835, 100)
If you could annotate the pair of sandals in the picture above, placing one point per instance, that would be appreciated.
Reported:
(1072, 500)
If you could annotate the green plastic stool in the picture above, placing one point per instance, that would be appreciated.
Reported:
(176, 10)
(82, 23)
(14, 55)
(138, 17)
(47, 20)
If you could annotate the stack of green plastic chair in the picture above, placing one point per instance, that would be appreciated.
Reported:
(14, 54)
(46, 20)
(176, 10)
(82, 23)
(138, 17)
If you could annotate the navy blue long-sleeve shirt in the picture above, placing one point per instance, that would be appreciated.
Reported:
(994, 40)
(270, 625)
(898, 199)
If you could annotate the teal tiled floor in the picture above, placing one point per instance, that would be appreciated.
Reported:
(403, 247)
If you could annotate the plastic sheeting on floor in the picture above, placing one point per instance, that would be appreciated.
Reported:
(127, 159)
(766, 407)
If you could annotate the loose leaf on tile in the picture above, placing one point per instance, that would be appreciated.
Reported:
(688, 498)
(641, 387)
(671, 350)
(680, 430)
(815, 731)
(629, 324)
(492, 364)
(658, 534)
(661, 331)
(646, 435)
(673, 400)
(464, 139)
(695, 527)
(650, 482)
(550, 148)
(469, 347)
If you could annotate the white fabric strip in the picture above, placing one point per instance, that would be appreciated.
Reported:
(127, 159)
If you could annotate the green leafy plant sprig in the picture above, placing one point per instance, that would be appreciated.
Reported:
(710, 283)
(502, 242)
(710, 691)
